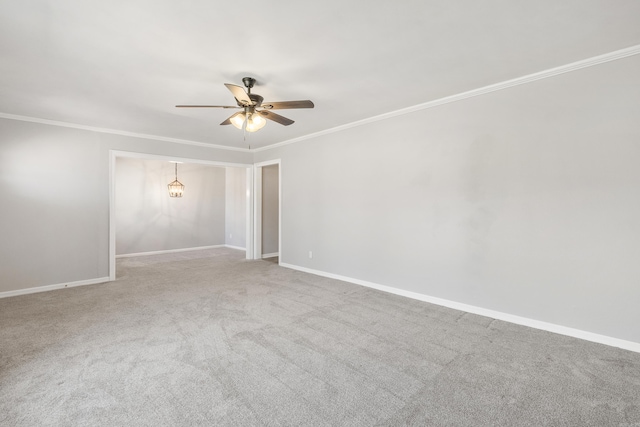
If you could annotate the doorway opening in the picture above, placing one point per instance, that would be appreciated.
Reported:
(267, 211)
(144, 220)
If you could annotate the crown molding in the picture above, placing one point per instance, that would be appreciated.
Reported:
(118, 132)
(574, 66)
(585, 63)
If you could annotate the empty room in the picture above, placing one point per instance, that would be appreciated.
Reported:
(333, 213)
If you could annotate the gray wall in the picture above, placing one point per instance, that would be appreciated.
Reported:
(148, 220)
(270, 207)
(54, 219)
(236, 207)
(524, 201)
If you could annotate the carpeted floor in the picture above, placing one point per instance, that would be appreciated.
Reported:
(209, 338)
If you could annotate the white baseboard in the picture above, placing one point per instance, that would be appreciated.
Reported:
(550, 327)
(170, 251)
(235, 247)
(53, 287)
(271, 255)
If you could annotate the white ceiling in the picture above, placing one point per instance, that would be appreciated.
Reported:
(124, 65)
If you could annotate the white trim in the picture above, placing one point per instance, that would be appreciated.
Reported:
(271, 255)
(235, 247)
(53, 287)
(118, 132)
(169, 251)
(589, 62)
(279, 209)
(175, 159)
(607, 57)
(257, 212)
(249, 229)
(267, 163)
(112, 214)
(532, 323)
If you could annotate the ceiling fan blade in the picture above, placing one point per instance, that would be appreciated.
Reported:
(207, 106)
(228, 121)
(276, 118)
(239, 93)
(287, 105)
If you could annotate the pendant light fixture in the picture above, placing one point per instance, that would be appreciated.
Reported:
(176, 188)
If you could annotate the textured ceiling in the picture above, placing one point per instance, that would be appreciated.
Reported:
(125, 65)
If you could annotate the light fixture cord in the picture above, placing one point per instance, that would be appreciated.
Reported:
(176, 170)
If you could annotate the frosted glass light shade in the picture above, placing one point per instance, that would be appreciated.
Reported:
(237, 120)
(255, 122)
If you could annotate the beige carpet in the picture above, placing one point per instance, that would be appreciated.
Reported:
(208, 338)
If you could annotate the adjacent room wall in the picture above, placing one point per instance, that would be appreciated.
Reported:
(148, 220)
(236, 208)
(270, 207)
(524, 201)
(54, 220)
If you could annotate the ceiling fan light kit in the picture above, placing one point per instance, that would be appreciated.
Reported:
(255, 122)
(254, 111)
(237, 120)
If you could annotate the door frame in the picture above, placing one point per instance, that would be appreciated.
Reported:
(257, 207)
(114, 154)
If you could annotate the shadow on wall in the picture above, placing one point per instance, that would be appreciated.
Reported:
(57, 216)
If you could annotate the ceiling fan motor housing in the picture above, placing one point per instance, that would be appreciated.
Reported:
(257, 99)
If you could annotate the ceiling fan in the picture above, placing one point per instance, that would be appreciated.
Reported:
(254, 110)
